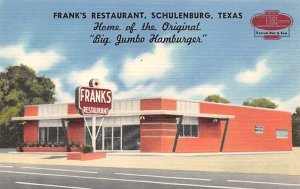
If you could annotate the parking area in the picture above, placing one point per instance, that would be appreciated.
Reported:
(283, 163)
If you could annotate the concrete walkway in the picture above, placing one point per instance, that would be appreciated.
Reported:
(6, 150)
(284, 163)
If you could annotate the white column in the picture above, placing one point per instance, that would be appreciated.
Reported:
(94, 132)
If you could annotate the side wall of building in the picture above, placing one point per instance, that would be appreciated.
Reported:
(209, 138)
(241, 135)
(76, 131)
(157, 132)
(31, 131)
(75, 126)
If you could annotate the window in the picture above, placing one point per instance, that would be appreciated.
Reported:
(50, 134)
(282, 134)
(88, 139)
(259, 129)
(188, 131)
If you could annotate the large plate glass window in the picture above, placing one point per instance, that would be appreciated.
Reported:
(50, 134)
(88, 139)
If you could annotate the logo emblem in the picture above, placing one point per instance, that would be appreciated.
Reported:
(271, 24)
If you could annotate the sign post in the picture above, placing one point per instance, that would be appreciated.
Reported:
(93, 101)
(94, 132)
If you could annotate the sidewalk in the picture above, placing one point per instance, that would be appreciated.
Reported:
(6, 150)
(284, 163)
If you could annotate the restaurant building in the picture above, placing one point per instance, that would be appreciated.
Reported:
(164, 125)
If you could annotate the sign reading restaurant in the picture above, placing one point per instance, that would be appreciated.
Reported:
(93, 100)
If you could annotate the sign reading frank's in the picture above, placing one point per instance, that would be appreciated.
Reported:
(93, 100)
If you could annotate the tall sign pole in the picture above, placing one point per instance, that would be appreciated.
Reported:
(93, 101)
(94, 137)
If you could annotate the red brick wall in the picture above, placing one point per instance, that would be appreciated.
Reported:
(76, 130)
(72, 109)
(209, 139)
(241, 136)
(157, 133)
(31, 131)
(158, 104)
(31, 110)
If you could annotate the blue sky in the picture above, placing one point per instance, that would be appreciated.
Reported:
(230, 61)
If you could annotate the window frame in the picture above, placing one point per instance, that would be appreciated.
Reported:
(280, 136)
(46, 140)
(183, 127)
(259, 129)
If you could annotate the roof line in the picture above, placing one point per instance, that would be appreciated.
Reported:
(243, 106)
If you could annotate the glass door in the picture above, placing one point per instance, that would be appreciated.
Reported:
(107, 138)
(116, 138)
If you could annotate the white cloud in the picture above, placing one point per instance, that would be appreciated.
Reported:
(288, 105)
(97, 71)
(202, 90)
(254, 76)
(197, 92)
(149, 65)
(38, 60)
(2, 69)
(60, 94)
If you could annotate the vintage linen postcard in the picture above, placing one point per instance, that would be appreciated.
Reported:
(149, 94)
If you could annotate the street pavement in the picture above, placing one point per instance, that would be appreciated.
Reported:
(29, 176)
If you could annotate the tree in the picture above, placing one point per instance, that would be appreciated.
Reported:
(20, 86)
(260, 102)
(296, 127)
(216, 98)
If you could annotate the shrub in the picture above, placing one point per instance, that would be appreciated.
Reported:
(29, 144)
(43, 144)
(87, 149)
(36, 144)
(50, 144)
(62, 144)
(23, 145)
(74, 144)
(68, 148)
(56, 144)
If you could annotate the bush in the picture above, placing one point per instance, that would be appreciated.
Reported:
(29, 144)
(62, 144)
(50, 144)
(56, 144)
(74, 144)
(87, 149)
(43, 144)
(36, 144)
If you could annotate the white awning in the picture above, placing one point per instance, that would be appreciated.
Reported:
(124, 114)
(51, 123)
